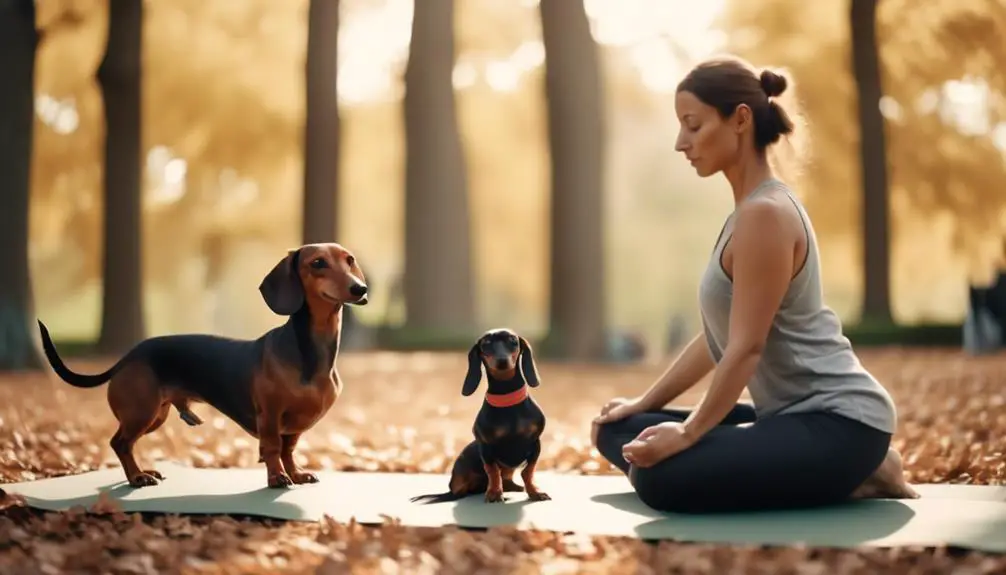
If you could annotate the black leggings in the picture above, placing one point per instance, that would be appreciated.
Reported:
(782, 461)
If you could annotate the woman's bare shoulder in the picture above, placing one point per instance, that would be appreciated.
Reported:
(772, 212)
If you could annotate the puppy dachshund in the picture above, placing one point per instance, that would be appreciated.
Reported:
(275, 387)
(508, 426)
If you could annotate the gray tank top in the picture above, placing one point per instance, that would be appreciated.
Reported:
(807, 363)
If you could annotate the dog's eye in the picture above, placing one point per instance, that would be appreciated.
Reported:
(513, 340)
(319, 263)
(350, 260)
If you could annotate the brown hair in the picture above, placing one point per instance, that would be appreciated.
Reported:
(727, 82)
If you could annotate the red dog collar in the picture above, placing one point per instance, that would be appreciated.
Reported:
(507, 399)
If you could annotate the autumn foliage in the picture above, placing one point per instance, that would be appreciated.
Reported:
(951, 429)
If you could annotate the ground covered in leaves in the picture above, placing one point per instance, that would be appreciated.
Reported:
(404, 412)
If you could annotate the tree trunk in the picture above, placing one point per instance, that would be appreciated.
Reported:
(576, 132)
(120, 76)
(873, 161)
(321, 124)
(18, 43)
(438, 279)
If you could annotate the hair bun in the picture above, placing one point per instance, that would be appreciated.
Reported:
(772, 83)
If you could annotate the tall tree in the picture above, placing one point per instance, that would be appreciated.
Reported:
(120, 79)
(576, 133)
(438, 281)
(18, 43)
(321, 124)
(873, 162)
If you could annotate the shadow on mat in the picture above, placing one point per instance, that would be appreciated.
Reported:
(844, 525)
(241, 504)
(474, 513)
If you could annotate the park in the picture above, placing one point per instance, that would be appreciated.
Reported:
(454, 168)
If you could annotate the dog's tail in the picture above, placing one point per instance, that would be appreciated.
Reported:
(64, 373)
(438, 497)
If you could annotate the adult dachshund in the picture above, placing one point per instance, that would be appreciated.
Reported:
(275, 387)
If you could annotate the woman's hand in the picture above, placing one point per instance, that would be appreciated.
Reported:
(619, 408)
(684, 372)
(656, 443)
(614, 410)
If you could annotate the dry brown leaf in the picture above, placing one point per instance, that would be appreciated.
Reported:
(105, 505)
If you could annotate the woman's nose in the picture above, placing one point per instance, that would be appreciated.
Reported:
(680, 143)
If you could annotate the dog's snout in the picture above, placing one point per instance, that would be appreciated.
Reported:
(502, 363)
(358, 290)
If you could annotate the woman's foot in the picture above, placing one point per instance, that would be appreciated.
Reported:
(887, 482)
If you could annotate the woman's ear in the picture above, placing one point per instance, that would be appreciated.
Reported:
(743, 119)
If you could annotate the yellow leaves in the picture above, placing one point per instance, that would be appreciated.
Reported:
(962, 39)
(494, 29)
(936, 164)
(73, 43)
(223, 88)
(783, 23)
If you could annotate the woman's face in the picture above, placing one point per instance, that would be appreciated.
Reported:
(707, 140)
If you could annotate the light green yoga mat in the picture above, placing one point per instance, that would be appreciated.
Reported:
(959, 515)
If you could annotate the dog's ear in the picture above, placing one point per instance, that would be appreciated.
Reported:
(281, 288)
(474, 376)
(527, 366)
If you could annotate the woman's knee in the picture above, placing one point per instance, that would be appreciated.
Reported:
(664, 490)
(605, 437)
(609, 439)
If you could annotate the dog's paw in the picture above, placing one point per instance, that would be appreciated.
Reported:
(280, 480)
(510, 486)
(494, 496)
(536, 495)
(143, 479)
(303, 477)
(154, 473)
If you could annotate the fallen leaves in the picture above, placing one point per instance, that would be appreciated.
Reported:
(105, 505)
(405, 413)
(226, 545)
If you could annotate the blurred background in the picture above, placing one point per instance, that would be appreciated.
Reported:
(490, 162)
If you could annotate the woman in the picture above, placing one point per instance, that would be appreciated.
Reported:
(821, 425)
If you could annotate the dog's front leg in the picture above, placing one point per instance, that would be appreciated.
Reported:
(494, 493)
(527, 475)
(494, 490)
(295, 473)
(270, 448)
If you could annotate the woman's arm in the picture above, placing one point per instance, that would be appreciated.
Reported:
(685, 371)
(762, 269)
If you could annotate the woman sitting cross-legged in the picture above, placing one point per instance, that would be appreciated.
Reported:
(821, 425)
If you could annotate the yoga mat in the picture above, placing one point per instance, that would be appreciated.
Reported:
(967, 516)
